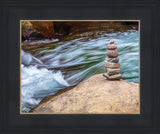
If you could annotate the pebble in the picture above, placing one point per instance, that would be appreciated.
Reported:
(111, 42)
(112, 71)
(113, 77)
(111, 47)
(111, 65)
(112, 53)
(115, 60)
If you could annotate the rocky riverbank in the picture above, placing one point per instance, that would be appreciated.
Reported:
(95, 95)
(37, 30)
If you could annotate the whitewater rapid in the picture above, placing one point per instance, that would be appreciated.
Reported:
(37, 83)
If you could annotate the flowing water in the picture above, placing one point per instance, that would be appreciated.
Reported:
(47, 68)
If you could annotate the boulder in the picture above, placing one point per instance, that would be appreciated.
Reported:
(28, 33)
(46, 28)
(95, 95)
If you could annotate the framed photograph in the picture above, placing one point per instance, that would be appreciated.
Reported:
(64, 63)
(79, 67)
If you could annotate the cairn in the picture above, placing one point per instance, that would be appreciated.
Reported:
(111, 63)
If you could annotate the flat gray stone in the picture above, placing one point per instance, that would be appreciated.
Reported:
(111, 64)
(115, 60)
(112, 71)
(113, 77)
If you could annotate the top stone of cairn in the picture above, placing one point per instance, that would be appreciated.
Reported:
(111, 45)
(111, 42)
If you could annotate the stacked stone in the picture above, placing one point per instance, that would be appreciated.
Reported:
(111, 63)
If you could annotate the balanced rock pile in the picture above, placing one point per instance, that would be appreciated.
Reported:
(111, 63)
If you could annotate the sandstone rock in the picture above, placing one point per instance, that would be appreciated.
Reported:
(111, 65)
(115, 60)
(44, 27)
(112, 71)
(112, 53)
(113, 77)
(111, 47)
(95, 95)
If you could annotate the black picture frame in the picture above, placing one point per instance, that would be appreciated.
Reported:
(148, 12)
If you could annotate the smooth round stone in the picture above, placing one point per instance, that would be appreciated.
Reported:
(112, 53)
(115, 60)
(111, 65)
(113, 77)
(112, 71)
(111, 42)
(111, 47)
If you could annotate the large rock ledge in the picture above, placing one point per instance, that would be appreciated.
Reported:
(95, 95)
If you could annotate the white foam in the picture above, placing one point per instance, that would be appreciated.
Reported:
(38, 83)
(26, 58)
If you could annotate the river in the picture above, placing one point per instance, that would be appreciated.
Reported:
(47, 68)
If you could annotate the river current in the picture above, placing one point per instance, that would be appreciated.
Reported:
(47, 68)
